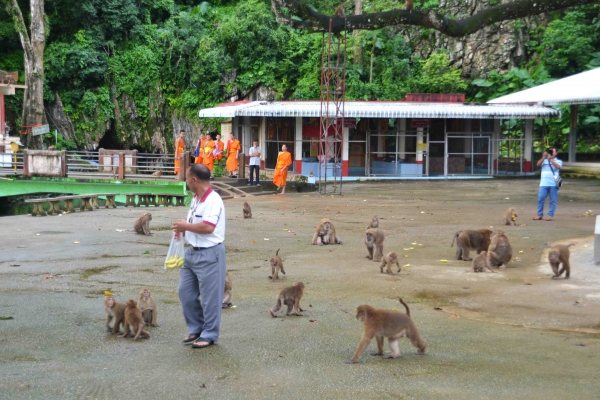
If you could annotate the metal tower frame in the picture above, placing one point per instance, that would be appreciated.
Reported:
(331, 121)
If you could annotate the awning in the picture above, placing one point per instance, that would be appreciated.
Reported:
(583, 88)
(381, 109)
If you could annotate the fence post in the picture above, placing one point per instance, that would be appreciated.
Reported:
(242, 165)
(63, 161)
(121, 165)
(184, 164)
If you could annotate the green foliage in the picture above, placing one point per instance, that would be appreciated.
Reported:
(437, 76)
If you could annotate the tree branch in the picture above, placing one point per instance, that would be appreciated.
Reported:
(13, 9)
(313, 21)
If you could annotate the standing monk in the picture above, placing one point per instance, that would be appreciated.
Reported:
(221, 146)
(284, 160)
(233, 150)
(179, 148)
(199, 153)
(209, 157)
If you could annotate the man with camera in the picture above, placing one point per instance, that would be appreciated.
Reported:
(548, 182)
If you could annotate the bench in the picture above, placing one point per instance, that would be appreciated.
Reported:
(180, 200)
(146, 199)
(130, 200)
(38, 206)
(87, 204)
(110, 200)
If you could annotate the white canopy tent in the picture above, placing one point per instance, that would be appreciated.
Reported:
(582, 88)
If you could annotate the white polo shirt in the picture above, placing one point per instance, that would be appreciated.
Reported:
(209, 209)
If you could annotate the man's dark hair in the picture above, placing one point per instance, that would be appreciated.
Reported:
(181, 131)
(254, 140)
(200, 171)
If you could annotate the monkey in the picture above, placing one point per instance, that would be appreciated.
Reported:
(388, 324)
(374, 223)
(148, 309)
(157, 173)
(470, 240)
(227, 292)
(557, 255)
(341, 85)
(409, 5)
(133, 318)
(480, 263)
(374, 238)
(388, 260)
(247, 211)
(290, 296)
(510, 216)
(499, 252)
(325, 234)
(114, 311)
(276, 266)
(339, 11)
(142, 224)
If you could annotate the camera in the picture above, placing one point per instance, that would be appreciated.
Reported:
(550, 152)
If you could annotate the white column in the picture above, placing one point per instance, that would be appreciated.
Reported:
(527, 151)
(298, 146)
(262, 137)
(345, 144)
(402, 139)
(419, 141)
(496, 138)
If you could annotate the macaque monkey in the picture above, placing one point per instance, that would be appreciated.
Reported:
(115, 312)
(470, 240)
(388, 260)
(480, 263)
(374, 223)
(147, 307)
(388, 324)
(133, 319)
(290, 296)
(409, 5)
(142, 224)
(374, 238)
(247, 211)
(500, 251)
(341, 85)
(157, 173)
(276, 266)
(510, 216)
(227, 292)
(339, 11)
(557, 255)
(325, 234)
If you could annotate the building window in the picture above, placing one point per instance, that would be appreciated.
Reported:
(280, 131)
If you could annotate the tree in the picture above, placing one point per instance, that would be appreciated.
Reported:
(33, 43)
(299, 15)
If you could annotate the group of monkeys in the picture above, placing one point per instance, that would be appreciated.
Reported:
(130, 315)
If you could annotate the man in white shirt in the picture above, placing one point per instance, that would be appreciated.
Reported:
(550, 170)
(254, 155)
(204, 268)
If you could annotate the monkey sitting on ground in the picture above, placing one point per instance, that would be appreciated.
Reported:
(374, 223)
(115, 312)
(325, 234)
(499, 252)
(147, 307)
(133, 319)
(276, 266)
(142, 224)
(510, 216)
(227, 293)
(480, 263)
(290, 296)
(470, 240)
(374, 238)
(388, 324)
(389, 260)
(557, 255)
(247, 211)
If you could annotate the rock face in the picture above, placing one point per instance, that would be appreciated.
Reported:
(497, 47)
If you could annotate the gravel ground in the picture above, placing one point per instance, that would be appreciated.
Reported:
(515, 334)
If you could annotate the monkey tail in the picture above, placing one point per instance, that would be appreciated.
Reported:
(455, 238)
(405, 306)
(570, 244)
(277, 252)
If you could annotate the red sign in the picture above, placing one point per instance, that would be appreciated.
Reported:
(420, 123)
(349, 122)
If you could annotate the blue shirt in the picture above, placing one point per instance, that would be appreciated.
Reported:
(547, 177)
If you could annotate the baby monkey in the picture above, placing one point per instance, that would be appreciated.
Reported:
(148, 309)
(276, 266)
(480, 263)
(388, 260)
(557, 255)
(134, 319)
(389, 324)
(247, 211)
(374, 223)
(290, 296)
(510, 216)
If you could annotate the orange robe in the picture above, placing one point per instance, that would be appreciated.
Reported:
(209, 158)
(179, 148)
(284, 159)
(222, 148)
(233, 146)
(199, 159)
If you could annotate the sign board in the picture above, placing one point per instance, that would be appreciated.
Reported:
(421, 146)
(40, 130)
(420, 123)
(349, 122)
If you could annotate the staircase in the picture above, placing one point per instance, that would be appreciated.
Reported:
(229, 188)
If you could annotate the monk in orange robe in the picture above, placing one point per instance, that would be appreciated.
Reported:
(199, 154)
(209, 157)
(284, 160)
(233, 150)
(179, 149)
(221, 148)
